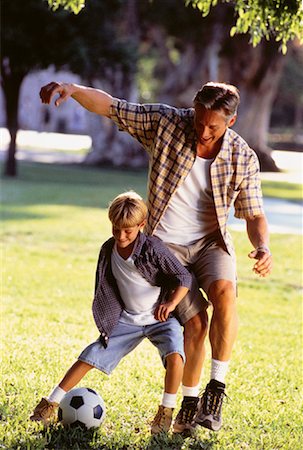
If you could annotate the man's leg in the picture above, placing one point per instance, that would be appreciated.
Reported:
(222, 334)
(224, 322)
(195, 331)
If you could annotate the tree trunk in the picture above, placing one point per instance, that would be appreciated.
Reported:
(109, 146)
(11, 83)
(255, 71)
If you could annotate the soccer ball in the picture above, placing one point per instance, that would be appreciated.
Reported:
(82, 407)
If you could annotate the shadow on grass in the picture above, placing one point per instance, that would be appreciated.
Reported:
(176, 442)
(60, 438)
(84, 186)
(19, 215)
(56, 437)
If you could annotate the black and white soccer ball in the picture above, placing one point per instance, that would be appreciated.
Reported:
(82, 407)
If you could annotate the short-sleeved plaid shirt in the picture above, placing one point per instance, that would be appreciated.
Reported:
(168, 135)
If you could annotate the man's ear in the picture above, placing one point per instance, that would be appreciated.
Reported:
(232, 121)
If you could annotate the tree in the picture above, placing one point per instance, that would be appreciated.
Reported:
(31, 35)
(288, 106)
(209, 53)
(242, 42)
(282, 19)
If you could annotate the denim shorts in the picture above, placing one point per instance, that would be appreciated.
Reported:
(166, 336)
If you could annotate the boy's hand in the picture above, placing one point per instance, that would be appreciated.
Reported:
(162, 311)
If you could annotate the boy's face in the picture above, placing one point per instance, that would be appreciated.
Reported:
(126, 236)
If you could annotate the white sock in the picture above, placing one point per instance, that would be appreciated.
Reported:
(169, 400)
(218, 370)
(190, 391)
(56, 395)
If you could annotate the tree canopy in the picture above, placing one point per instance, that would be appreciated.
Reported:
(282, 19)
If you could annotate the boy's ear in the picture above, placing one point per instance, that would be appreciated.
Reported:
(142, 225)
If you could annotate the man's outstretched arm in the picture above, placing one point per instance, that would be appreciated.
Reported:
(94, 100)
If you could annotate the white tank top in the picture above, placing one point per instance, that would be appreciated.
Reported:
(138, 295)
(190, 213)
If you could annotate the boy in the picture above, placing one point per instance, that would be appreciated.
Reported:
(138, 284)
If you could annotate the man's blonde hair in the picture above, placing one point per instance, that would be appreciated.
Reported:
(127, 210)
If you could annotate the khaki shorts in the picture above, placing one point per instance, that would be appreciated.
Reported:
(208, 261)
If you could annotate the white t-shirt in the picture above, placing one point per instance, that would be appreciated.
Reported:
(190, 213)
(138, 295)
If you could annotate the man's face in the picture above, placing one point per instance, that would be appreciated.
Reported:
(210, 125)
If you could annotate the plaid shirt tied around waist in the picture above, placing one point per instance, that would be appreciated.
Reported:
(153, 261)
(168, 135)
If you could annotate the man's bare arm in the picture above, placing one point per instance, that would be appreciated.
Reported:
(94, 100)
(257, 230)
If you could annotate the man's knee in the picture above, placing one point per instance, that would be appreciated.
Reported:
(196, 327)
(222, 294)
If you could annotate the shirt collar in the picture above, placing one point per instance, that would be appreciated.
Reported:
(140, 241)
(225, 150)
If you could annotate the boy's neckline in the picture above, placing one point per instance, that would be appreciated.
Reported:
(127, 252)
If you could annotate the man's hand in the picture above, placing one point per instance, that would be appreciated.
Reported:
(48, 91)
(264, 264)
(94, 100)
(162, 311)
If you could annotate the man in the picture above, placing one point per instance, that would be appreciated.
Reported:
(199, 167)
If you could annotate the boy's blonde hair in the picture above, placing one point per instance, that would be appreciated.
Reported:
(127, 210)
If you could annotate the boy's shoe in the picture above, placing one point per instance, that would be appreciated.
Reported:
(185, 420)
(44, 412)
(209, 414)
(162, 420)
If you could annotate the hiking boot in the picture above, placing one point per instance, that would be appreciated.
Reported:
(185, 420)
(162, 420)
(44, 412)
(209, 414)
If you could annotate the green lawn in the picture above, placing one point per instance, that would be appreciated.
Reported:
(54, 220)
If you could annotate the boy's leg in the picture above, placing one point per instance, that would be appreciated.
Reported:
(174, 373)
(123, 340)
(168, 338)
(46, 409)
(75, 374)
(173, 377)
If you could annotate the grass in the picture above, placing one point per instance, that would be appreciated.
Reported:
(286, 191)
(54, 220)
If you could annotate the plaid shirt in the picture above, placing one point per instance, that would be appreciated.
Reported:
(153, 261)
(169, 137)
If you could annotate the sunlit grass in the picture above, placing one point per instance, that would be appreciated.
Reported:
(283, 190)
(54, 221)
(52, 142)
